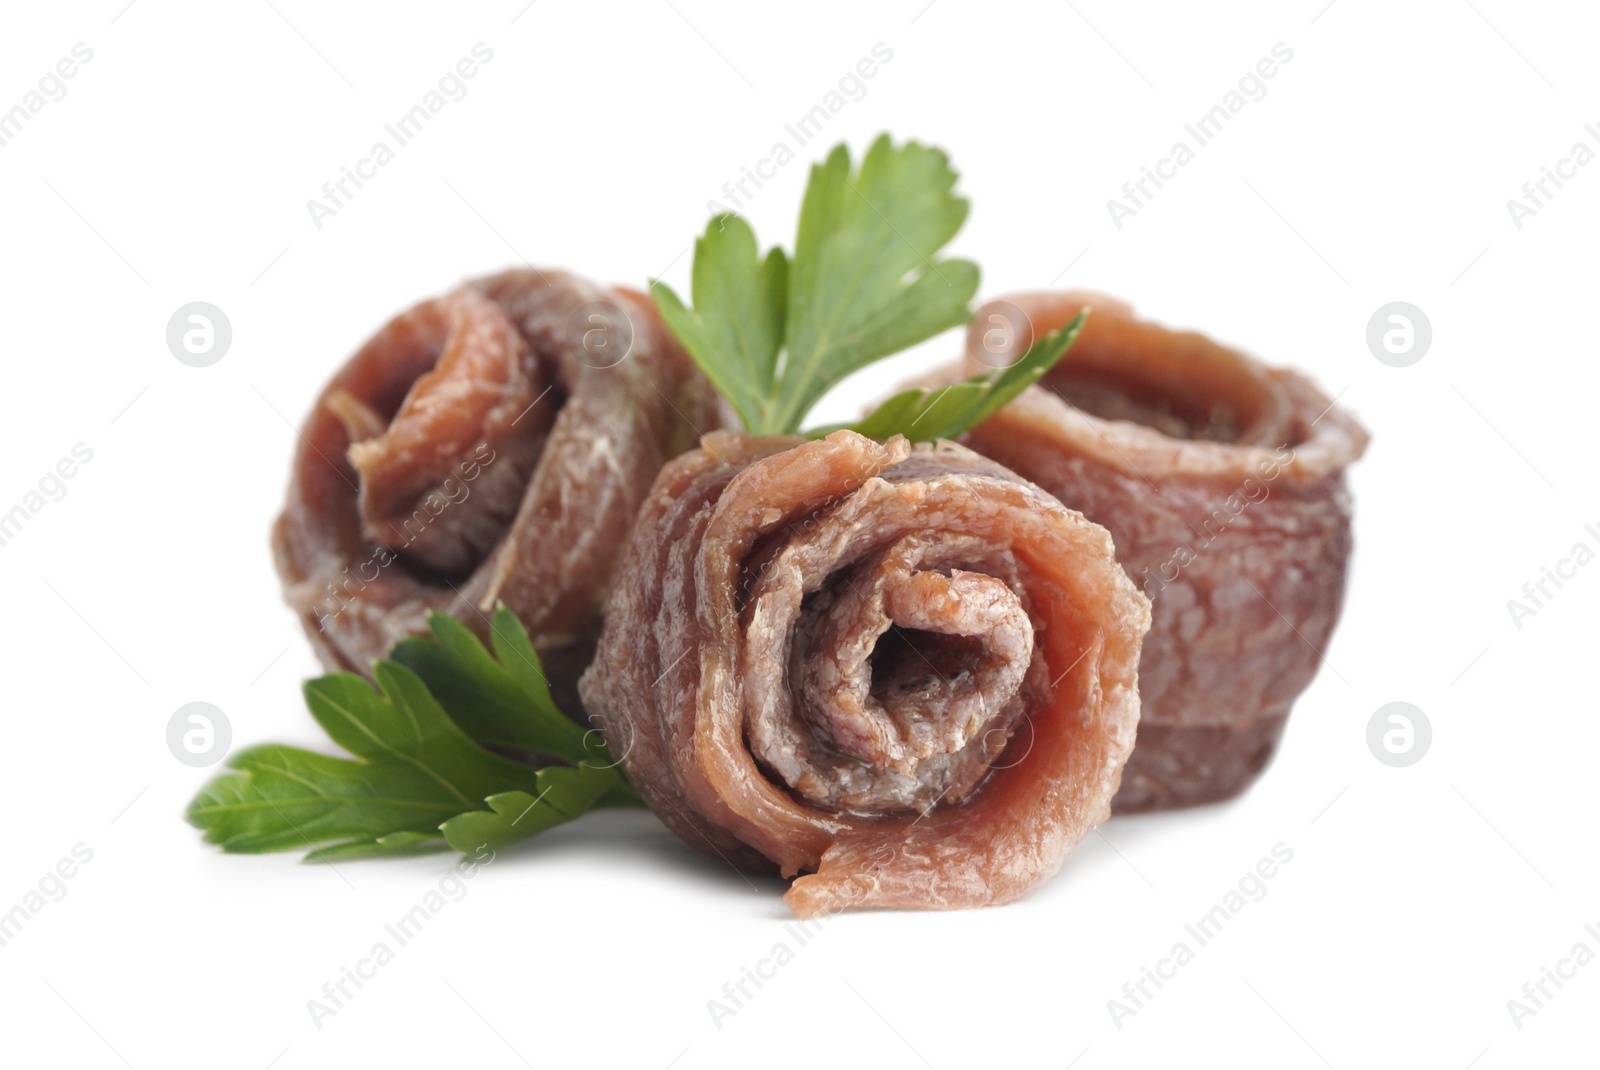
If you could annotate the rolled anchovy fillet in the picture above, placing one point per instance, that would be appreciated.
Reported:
(1222, 482)
(491, 445)
(904, 672)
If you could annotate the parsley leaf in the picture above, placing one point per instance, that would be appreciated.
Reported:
(923, 415)
(515, 815)
(773, 335)
(736, 328)
(501, 701)
(419, 779)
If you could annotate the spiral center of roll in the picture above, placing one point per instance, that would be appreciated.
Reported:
(949, 652)
(443, 469)
(905, 675)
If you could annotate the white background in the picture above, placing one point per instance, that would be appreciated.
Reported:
(1377, 168)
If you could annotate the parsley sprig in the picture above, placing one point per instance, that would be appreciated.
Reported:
(925, 414)
(423, 776)
(774, 334)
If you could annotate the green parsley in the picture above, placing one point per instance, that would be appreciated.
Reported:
(774, 335)
(923, 415)
(423, 777)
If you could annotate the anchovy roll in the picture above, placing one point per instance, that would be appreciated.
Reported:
(1222, 483)
(491, 445)
(904, 673)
